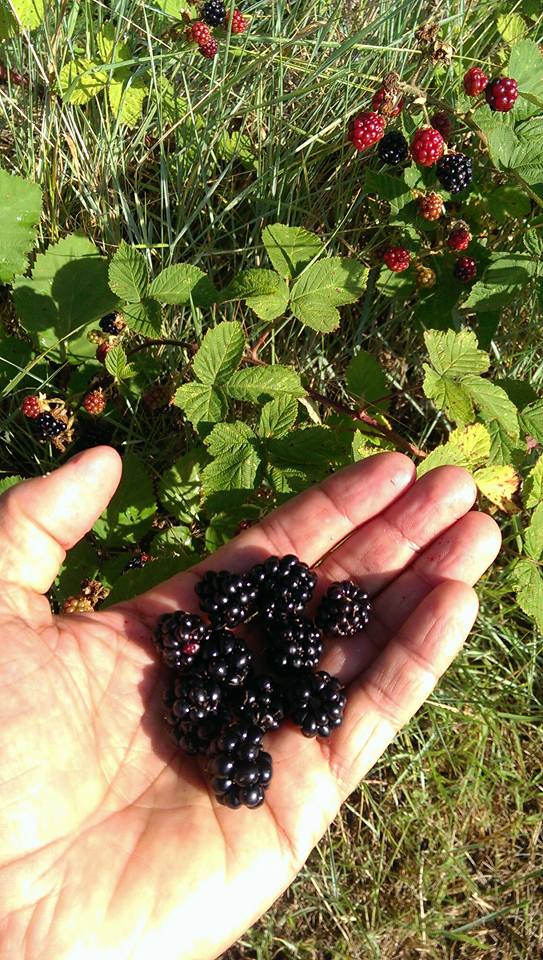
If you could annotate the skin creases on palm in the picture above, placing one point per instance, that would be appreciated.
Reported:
(111, 845)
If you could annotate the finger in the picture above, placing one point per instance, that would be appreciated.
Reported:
(42, 518)
(462, 553)
(308, 525)
(379, 551)
(385, 696)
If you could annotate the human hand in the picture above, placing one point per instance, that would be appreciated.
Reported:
(111, 845)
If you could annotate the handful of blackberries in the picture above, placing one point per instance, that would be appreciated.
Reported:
(218, 704)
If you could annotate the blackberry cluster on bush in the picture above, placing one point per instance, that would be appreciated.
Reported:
(455, 172)
(393, 148)
(213, 12)
(217, 706)
(46, 427)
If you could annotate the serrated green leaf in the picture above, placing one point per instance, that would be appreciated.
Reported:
(117, 365)
(137, 581)
(80, 80)
(144, 318)
(236, 146)
(225, 437)
(179, 488)
(366, 379)
(175, 542)
(200, 402)
(525, 65)
(175, 8)
(511, 26)
(314, 450)
(278, 417)
(532, 493)
(176, 285)
(492, 403)
(132, 508)
(502, 145)
(220, 353)
(533, 535)
(111, 47)
(446, 455)
(68, 290)
(532, 420)
(505, 276)
(128, 274)
(507, 202)
(529, 586)
(271, 305)
(251, 283)
(7, 482)
(448, 396)
(21, 14)
(392, 189)
(455, 354)
(366, 445)
(20, 211)
(503, 448)
(236, 451)
(255, 384)
(126, 98)
(499, 484)
(290, 249)
(322, 287)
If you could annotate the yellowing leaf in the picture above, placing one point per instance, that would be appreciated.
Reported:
(80, 80)
(473, 442)
(126, 100)
(499, 484)
(533, 486)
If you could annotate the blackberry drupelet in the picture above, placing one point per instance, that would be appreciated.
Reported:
(195, 738)
(228, 598)
(225, 657)
(293, 644)
(344, 610)
(213, 12)
(393, 148)
(193, 697)
(178, 638)
(260, 702)
(285, 586)
(46, 426)
(239, 768)
(316, 703)
(454, 172)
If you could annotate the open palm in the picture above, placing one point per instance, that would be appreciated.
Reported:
(111, 845)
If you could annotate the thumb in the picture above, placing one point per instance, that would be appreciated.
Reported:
(42, 518)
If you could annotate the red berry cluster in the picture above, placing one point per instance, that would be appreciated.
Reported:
(500, 92)
(397, 259)
(94, 402)
(427, 146)
(200, 33)
(31, 407)
(366, 129)
(387, 103)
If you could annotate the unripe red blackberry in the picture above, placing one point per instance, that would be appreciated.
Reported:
(427, 146)
(465, 269)
(431, 206)
(459, 238)
(94, 402)
(501, 94)
(77, 605)
(199, 33)
(239, 22)
(387, 103)
(366, 129)
(209, 49)
(441, 121)
(102, 351)
(397, 259)
(475, 81)
(31, 407)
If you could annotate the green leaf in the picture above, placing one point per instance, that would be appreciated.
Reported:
(448, 396)
(20, 211)
(314, 450)
(128, 274)
(178, 284)
(511, 26)
(175, 542)
(366, 445)
(529, 586)
(134, 582)
(503, 448)
(532, 420)
(290, 249)
(502, 145)
(68, 290)
(237, 458)
(176, 8)
(80, 562)
(117, 365)
(220, 353)
(525, 65)
(251, 283)
(271, 305)
(278, 417)
(24, 14)
(446, 455)
(132, 508)
(7, 482)
(324, 286)
(507, 202)
(505, 276)
(366, 379)
(111, 47)
(201, 403)
(255, 384)
(144, 318)
(392, 189)
(180, 487)
(236, 146)
(80, 80)
(455, 354)
(520, 392)
(499, 484)
(492, 402)
(126, 98)
(533, 535)
(532, 493)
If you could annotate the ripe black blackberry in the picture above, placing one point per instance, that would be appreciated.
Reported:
(225, 657)
(112, 324)
(316, 702)
(393, 148)
(260, 701)
(192, 697)
(240, 769)
(228, 598)
(344, 610)
(454, 172)
(213, 13)
(195, 738)
(137, 562)
(178, 638)
(285, 586)
(46, 426)
(293, 644)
